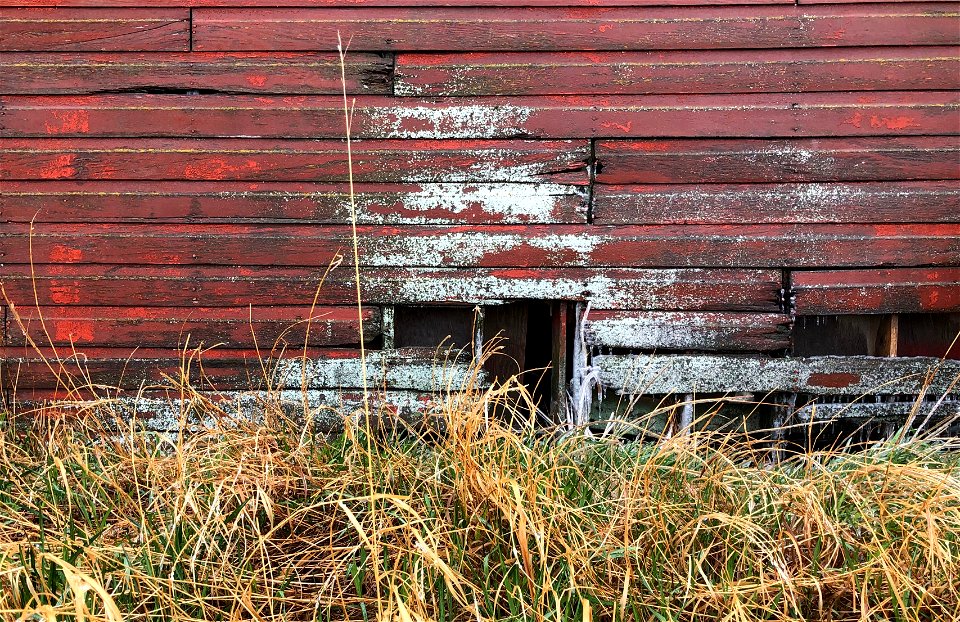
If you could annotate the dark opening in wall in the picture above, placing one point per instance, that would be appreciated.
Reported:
(914, 334)
(429, 327)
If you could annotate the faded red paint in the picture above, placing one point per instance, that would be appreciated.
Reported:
(61, 167)
(836, 380)
(71, 122)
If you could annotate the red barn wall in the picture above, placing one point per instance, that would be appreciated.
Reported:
(705, 175)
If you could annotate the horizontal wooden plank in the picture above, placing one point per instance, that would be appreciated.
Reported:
(299, 160)
(232, 369)
(523, 246)
(828, 411)
(381, 3)
(168, 411)
(28, 29)
(563, 117)
(651, 73)
(164, 286)
(901, 290)
(758, 161)
(869, 202)
(160, 327)
(424, 203)
(839, 375)
(286, 73)
(581, 28)
(752, 332)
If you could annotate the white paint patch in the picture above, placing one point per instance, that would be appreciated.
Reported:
(504, 202)
(451, 121)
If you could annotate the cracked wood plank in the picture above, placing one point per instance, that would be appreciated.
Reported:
(869, 202)
(29, 29)
(654, 289)
(271, 160)
(898, 290)
(165, 201)
(824, 375)
(745, 160)
(887, 113)
(651, 73)
(749, 332)
(224, 369)
(877, 410)
(587, 28)
(159, 327)
(521, 246)
(287, 73)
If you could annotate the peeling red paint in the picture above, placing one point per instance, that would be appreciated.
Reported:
(837, 380)
(70, 122)
(65, 254)
(61, 167)
(893, 123)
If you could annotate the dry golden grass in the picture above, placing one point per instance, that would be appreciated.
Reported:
(272, 520)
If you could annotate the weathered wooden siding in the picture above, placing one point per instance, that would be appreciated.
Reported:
(693, 175)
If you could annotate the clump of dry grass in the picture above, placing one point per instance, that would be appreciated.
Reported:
(272, 520)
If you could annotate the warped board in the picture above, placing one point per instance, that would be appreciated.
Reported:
(840, 375)
(25, 29)
(160, 327)
(898, 290)
(587, 28)
(300, 160)
(61, 74)
(878, 410)
(561, 117)
(867, 202)
(523, 246)
(642, 73)
(165, 201)
(649, 330)
(233, 369)
(724, 161)
(164, 286)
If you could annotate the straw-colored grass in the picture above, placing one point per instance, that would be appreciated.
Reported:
(475, 521)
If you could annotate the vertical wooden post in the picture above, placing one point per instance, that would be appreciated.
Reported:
(889, 335)
(388, 330)
(558, 385)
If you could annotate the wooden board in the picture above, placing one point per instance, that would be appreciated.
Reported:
(271, 160)
(52, 73)
(160, 327)
(757, 332)
(563, 117)
(208, 286)
(867, 202)
(876, 410)
(765, 161)
(643, 73)
(380, 3)
(898, 290)
(231, 369)
(164, 201)
(524, 246)
(26, 29)
(839, 375)
(588, 28)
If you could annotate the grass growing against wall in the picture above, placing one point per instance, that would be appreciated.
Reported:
(270, 521)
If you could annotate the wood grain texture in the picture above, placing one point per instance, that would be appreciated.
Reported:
(562, 117)
(522, 246)
(651, 73)
(381, 3)
(270, 160)
(213, 286)
(285, 73)
(217, 368)
(735, 161)
(160, 327)
(277, 202)
(867, 202)
(589, 28)
(826, 375)
(27, 29)
(897, 290)
(756, 332)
